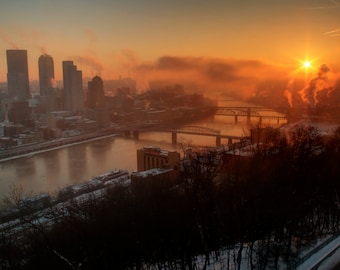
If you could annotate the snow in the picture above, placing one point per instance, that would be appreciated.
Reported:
(325, 256)
(331, 262)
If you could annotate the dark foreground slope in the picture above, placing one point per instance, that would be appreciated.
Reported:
(275, 202)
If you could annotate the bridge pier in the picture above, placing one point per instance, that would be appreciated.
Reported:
(218, 140)
(136, 135)
(230, 141)
(127, 133)
(248, 115)
(236, 118)
(174, 137)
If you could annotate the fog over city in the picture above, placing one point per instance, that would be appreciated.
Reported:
(192, 134)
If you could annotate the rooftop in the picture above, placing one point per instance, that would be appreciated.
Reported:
(151, 172)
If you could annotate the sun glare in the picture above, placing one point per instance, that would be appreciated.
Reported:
(306, 64)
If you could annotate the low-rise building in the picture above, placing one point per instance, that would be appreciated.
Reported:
(156, 179)
(157, 170)
(150, 157)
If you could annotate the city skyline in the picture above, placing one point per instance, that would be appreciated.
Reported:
(111, 38)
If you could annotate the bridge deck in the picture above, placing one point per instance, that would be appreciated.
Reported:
(193, 130)
(249, 112)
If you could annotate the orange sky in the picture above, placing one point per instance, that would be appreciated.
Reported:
(112, 38)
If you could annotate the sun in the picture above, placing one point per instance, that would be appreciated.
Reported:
(307, 64)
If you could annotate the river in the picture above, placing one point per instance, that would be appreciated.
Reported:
(51, 170)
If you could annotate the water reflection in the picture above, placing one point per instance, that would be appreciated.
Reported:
(77, 163)
(50, 171)
(101, 150)
(27, 166)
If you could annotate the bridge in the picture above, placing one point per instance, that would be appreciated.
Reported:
(250, 112)
(191, 130)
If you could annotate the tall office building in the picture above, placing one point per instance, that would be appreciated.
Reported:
(95, 93)
(17, 75)
(46, 74)
(73, 87)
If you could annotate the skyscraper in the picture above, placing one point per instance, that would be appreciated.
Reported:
(46, 74)
(95, 93)
(73, 87)
(17, 75)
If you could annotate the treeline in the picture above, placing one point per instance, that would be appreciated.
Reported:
(257, 211)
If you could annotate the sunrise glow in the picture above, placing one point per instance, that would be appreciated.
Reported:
(307, 64)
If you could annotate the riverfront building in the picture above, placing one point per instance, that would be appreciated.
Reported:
(73, 87)
(150, 157)
(17, 75)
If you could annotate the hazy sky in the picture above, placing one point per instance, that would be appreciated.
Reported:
(110, 37)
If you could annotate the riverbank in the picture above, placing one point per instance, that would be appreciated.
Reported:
(28, 150)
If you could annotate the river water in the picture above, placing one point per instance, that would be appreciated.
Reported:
(52, 170)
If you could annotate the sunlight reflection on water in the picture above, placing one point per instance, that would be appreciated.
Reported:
(50, 171)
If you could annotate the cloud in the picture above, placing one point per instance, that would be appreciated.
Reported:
(214, 75)
(335, 5)
(333, 33)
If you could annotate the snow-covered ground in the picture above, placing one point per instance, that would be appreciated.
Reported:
(95, 188)
(326, 258)
(332, 262)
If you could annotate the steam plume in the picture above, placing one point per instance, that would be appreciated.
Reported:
(43, 50)
(288, 93)
(93, 64)
(6, 39)
(321, 82)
